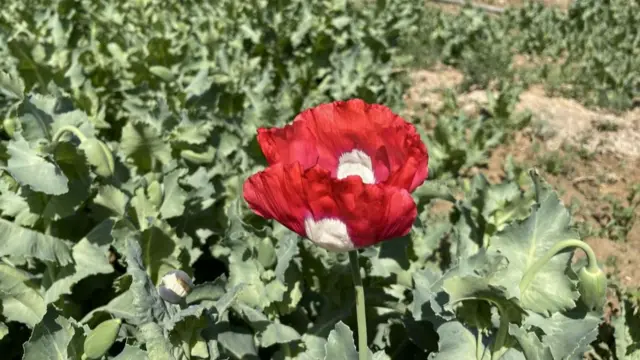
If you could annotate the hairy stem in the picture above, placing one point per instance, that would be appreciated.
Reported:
(68, 128)
(571, 243)
(501, 336)
(360, 306)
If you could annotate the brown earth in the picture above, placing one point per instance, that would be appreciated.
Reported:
(591, 157)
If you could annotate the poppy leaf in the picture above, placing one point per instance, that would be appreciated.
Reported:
(526, 241)
(28, 168)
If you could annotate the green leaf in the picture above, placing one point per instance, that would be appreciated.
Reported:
(157, 248)
(146, 211)
(340, 344)
(11, 86)
(174, 195)
(190, 132)
(16, 206)
(427, 286)
(53, 339)
(193, 312)
(20, 302)
(314, 347)
(76, 170)
(627, 332)
(208, 291)
(200, 182)
(120, 306)
(478, 278)
(525, 242)
(65, 121)
(568, 337)
(277, 333)
(113, 199)
(227, 300)
(4, 330)
(30, 169)
(36, 116)
(200, 83)
(145, 145)
(158, 347)
(458, 342)
(286, 249)
(131, 353)
(238, 343)
(248, 272)
(146, 301)
(533, 348)
(90, 256)
(18, 241)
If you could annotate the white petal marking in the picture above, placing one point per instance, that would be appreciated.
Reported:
(329, 233)
(356, 162)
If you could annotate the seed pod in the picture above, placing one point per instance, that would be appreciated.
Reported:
(198, 158)
(175, 286)
(101, 338)
(593, 287)
(162, 72)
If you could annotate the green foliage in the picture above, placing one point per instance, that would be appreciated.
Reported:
(128, 130)
(589, 53)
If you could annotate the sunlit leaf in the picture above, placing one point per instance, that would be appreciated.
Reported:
(28, 168)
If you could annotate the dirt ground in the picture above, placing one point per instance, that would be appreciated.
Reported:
(595, 157)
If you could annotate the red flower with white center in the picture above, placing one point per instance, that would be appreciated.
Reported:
(340, 175)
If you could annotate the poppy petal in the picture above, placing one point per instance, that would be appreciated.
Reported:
(276, 193)
(323, 134)
(337, 214)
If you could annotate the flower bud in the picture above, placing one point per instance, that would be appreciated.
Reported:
(101, 338)
(98, 155)
(593, 286)
(175, 286)
(9, 126)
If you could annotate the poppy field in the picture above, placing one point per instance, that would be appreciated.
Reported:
(312, 180)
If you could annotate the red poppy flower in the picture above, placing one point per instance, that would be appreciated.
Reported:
(340, 175)
(351, 137)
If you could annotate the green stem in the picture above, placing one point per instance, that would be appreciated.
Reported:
(478, 344)
(286, 349)
(68, 128)
(501, 336)
(363, 349)
(531, 272)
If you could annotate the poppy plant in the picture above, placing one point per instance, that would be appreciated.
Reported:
(340, 175)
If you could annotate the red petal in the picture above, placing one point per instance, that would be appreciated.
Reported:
(320, 135)
(372, 213)
(278, 193)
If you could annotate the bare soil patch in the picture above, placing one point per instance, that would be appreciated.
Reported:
(591, 157)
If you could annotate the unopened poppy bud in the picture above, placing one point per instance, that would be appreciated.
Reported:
(9, 126)
(593, 286)
(175, 286)
(98, 155)
(101, 339)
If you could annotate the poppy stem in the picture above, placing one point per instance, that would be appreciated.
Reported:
(363, 348)
(557, 248)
